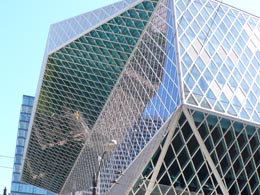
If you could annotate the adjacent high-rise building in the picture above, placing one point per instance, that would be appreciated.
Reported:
(149, 97)
(18, 187)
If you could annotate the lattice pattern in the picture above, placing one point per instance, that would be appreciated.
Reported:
(63, 32)
(134, 111)
(220, 58)
(233, 146)
(124, 79)
(235, 150)
(18, 187)
(77, 82)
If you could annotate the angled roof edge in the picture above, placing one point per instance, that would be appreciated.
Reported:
(237, 8)
(115, 9)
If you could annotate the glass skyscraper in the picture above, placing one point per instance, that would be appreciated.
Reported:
(18, 187)
(174, 83)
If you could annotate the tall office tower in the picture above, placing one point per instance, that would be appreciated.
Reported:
(155, 97)
(18, 187)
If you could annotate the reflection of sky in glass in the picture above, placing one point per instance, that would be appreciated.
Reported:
(219, 49)
(164, 102)
(160, 107)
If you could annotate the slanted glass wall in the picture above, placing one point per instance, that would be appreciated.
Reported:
(220, 57)
(155, 62)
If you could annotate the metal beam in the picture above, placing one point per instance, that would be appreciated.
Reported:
(171, 129)
(205, 150)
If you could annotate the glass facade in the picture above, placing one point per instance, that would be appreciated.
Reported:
(174, 82)
(184, 169)
(18, 187)
(219, 51)
(211, 153)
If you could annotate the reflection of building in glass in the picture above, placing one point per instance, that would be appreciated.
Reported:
(176, 83)
(18, 187)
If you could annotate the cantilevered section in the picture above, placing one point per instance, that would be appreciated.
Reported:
(177, 80)
(78, 79)
(63, 32)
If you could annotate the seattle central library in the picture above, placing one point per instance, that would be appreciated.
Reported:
(171, 86)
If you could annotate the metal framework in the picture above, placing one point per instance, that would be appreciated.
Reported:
(137, 70)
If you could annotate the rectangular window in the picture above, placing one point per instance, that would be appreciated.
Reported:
(18, 159)
(20, 142)
(27, 109)
(23, 125)
(22, 133)
(19, 150)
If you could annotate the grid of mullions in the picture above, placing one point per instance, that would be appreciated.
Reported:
(78, 79)
(143, 130)
(77, 94)
(220, 57)
(123, 118)
(235, 149)
(184, 169)
(87, 69)
(62, 32)
(233, 146)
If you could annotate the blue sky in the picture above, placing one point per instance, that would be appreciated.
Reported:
(23, 35)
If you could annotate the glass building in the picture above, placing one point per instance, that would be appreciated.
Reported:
(18, 187)
(173, 84)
